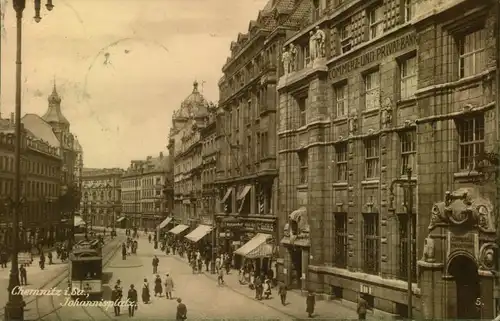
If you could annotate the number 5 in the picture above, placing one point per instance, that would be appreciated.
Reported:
(478, 302)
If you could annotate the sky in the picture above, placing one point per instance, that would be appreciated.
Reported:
(121, 66)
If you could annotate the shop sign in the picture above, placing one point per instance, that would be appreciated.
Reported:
(259, 226)
(468, 242)
(233, 224)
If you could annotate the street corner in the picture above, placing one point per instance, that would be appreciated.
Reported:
(132, 261)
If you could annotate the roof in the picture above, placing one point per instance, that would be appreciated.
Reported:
(77, 146)
(54, 113)
(194, 105)
(40, 129)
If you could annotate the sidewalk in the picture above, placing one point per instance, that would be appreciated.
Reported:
(296, 303)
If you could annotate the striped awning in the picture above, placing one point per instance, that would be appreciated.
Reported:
(164, 223)
(179, 229)
(120, 219)
(198, 233)
(226, 196)
(257, 247)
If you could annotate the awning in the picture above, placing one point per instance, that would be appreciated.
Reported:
(244, 192)
(164, 223)
(226, 196)
(257, 247)
(199, 232)
(120, 219)
(297, 213)
(179, 229)
(78, 221)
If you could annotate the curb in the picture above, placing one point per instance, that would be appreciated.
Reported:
(124, 267)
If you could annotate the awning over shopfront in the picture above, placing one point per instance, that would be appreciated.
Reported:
(120, 219)
(164, 223)
(78, 221)
(179, 229)
(198, 233)
(244, 192)
(257, 247)
(226, 196)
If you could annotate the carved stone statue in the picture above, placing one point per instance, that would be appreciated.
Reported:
(286, 58)
(293, 55)
(429, 250)
(386, 117)
(352, 124)
(312, 46)
(319, 42)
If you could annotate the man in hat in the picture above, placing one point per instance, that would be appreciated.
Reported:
(181, 311)
(132, 299)
(169, 286)
(116, 296)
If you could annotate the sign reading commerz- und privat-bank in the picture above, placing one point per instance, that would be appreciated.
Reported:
(376, 54)
(252, 226)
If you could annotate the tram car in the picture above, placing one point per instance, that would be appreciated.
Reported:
(85, 273)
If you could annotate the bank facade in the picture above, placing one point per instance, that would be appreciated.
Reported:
(364, 80)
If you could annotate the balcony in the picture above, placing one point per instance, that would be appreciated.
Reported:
(318, 65)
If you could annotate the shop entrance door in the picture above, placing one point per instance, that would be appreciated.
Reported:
(296, 267)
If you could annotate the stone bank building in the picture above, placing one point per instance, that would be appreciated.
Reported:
(374, 88)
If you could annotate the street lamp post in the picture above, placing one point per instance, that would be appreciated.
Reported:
(14, 309)
(408, 184)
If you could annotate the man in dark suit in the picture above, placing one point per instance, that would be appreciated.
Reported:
(132, 298)
(116, 297)
(282, 291)
(181, 311)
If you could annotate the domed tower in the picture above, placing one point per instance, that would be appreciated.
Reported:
(54, 115)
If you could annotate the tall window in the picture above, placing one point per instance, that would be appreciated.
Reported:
(301, 102)
(345, 37)
(371, 243)
(264, 144)
(316, 10)
(303, 167)
(472, 57)
(340, 246)
(371, 158)
(409, 9)
(306, 55)
(372, 90)
(249, 150)
(341, 100)
(408, 77)
(341, 161)
(408, 150)
(403, 250)
(471, 140)
(376, 17)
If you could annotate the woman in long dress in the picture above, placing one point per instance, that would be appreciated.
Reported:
(145, 292)
(158, 286)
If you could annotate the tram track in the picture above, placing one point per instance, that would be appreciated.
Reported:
(55, 308)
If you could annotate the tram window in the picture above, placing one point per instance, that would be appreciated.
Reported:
(89, 270)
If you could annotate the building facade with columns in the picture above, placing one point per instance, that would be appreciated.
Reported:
(247, 170)
(40, 180)
(380, 87)
(101, 196)
(185, 146)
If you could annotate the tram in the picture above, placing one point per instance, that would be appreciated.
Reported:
(85, 272)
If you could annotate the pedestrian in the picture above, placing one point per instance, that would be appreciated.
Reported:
(169, 286)
(362, 308)
(258, 285)
(156, 262)
(181, 311)
(23, 274)
(42, 261)
(158, 286)
(132, 298)
(220, 277)
(267, 289)
(217, 264)
(310, 303)
(149, 238)
(124, 251)
(49, 256)
(200, 265)
(282, 291)
(146, 296)
(116, 298)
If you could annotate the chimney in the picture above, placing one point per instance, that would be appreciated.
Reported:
(161, 155)
(12, 120)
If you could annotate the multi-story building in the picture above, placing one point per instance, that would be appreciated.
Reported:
(40, 180)
(143, 192)
(185, 146)
(54, 128)
(209, 154)
(153, 204)
(247, 169)
(100, 204)
(370, 76)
